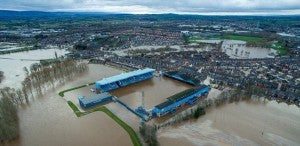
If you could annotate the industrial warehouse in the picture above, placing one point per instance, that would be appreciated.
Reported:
(170, 105)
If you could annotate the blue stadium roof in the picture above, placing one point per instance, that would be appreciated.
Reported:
(124, 76)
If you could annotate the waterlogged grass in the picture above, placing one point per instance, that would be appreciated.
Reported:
(279, 46)
(62, 93)
(75, 109)
(133, 136)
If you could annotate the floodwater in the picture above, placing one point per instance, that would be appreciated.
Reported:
(146, 47)
(155, 91)
(5, 46)
(13, 68)
(238, 49)
(243, 123)
(48, 120)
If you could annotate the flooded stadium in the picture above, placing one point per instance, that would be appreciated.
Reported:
(49, 119)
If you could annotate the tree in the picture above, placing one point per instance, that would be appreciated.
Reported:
(149, 134)
(199, 111)
(26, 71)
(56, 55)
(9, 128)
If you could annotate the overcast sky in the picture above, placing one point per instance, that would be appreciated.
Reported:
(216, 7)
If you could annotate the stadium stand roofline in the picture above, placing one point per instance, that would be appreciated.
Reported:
(124, 76)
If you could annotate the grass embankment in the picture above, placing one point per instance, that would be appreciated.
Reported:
(62, 93)
(133, 136)
(280, 47)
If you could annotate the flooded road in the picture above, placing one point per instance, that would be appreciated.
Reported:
(13, 68)
(244, 123)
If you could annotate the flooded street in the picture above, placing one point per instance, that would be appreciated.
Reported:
(12, 64)
(244, 123)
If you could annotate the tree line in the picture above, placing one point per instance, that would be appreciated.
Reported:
(39, 78)
(1, 76)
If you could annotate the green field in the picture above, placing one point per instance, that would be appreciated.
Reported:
(194, 39)
(133, 136)
(242, 38)
(280, 47)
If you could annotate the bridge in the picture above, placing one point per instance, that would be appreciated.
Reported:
(143, 116)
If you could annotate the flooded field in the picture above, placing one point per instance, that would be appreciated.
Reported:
(5, 46)
(48, 120)
(12, 64)
(244, 123)
(239, 50)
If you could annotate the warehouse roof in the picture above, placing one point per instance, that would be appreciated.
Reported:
(124, 76)
(87, 100)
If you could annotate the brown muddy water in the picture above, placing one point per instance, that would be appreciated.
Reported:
(48, 120)
(243, 123)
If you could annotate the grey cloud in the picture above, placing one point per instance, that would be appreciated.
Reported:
(154, 6)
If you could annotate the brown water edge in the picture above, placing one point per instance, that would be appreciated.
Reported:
(48, 120)
(244, 123)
